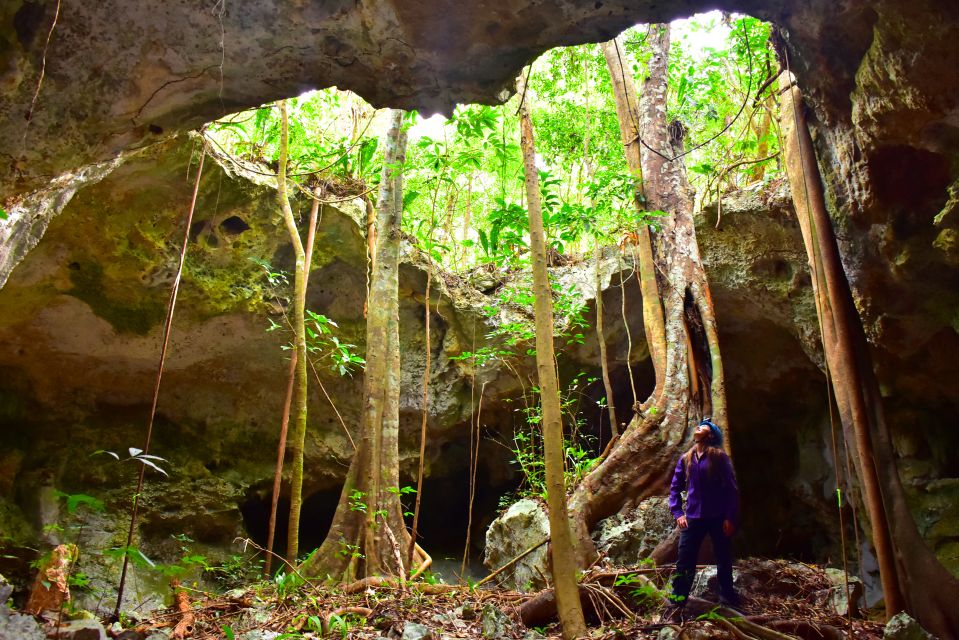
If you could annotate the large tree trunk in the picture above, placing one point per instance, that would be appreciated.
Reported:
(563, 559)
(368, 536)
(677, 308)
(912, 577)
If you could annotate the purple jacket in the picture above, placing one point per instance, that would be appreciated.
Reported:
(706, 497)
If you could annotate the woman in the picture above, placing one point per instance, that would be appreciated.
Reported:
(705, 472)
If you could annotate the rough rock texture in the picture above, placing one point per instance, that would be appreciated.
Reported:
(16, 626)
(885, 111)
(886, 135)
(902, 627)
(90, 298)
(779, 425)
(627, 538)
(521, 526)
(50, 589)
(838, 598)
(119, 75)
(27, 220)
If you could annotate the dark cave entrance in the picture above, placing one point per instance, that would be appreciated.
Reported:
(444, 509)
(315, 518)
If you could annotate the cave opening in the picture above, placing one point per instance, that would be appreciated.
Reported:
(315, 518)
(445, 509)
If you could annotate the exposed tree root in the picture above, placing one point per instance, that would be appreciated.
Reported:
(181, 600)
(357, 611)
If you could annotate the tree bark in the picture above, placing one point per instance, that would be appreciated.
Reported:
(677, 309)
(420, 471)
(278, 469)
(563, 559)
(299, 341)
(912, 577)
(291, 382)
(368, 524)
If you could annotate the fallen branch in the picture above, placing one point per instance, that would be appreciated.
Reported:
(511, 563)
(733, 629)
(807, 630)
(541, 608)
(181, 601)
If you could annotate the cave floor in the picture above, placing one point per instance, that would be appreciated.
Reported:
(778, 598)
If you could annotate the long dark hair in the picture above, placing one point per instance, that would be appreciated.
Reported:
(714, 456)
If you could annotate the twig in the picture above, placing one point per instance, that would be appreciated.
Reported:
(474, 465)
(722, 174)
(43, 71)
(511, 563)
(278, 470)
(330, 400)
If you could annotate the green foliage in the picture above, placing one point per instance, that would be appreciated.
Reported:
(357, 502)
(464, 200)
(137, 558)
(322, 344)
(287, 583)
(76, 500)
(527, 445)
(646, 594)
(137, 455)
(329, 135)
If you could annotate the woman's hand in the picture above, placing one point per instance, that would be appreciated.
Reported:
(681, 522)
(728, 527)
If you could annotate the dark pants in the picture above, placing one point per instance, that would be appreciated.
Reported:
(690, 539)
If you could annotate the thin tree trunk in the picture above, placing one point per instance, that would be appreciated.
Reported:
(677, 310)
(285, 421)
(278, 469)
(425, 419)
(299, 332)
(912, 577)
(629, 339)
(762, 131)
(627, 103)
(368, 524)
(563, 559)
(601, 339)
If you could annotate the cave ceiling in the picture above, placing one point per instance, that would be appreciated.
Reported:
(120, 75)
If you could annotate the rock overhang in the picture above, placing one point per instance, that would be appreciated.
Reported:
(120, 75)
